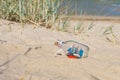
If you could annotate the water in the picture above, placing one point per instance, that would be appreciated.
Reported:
(94, 7)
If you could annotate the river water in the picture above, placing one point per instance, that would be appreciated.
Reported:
(94, 7)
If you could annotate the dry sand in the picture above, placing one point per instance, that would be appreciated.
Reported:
(28, 54)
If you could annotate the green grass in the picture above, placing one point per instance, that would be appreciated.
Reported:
(33, 11)
(109, 32)
(46, 13)
(80, 27)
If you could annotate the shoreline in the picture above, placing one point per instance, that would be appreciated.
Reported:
(86, 18)
(93, 18)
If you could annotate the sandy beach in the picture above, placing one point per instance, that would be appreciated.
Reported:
(29, 54)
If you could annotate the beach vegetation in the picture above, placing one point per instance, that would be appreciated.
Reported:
(109, 34)
(39, 12)
(80, 27)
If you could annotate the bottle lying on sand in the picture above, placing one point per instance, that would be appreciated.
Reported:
(75, 48)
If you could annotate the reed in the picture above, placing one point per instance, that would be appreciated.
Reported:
(110, 35)
(109, 30)
(45, 13)
(80, 27)
(42, 12)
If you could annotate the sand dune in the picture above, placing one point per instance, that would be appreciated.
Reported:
(28, 54)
